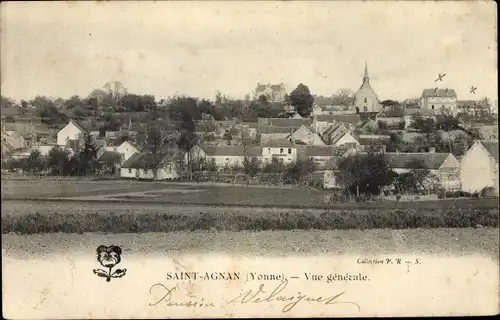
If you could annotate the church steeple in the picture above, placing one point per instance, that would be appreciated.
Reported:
(366, 79)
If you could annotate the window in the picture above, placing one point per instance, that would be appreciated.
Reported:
(366, 100)
(269, 150)
(365, 108)
(289, 150)
(169, 168)
(129, 170)
(442, 106)
(432, 107)
(146, 171)
(281, 150)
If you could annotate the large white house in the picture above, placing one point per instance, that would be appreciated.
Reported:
(72, 131)
(479, 166)
(439, 100)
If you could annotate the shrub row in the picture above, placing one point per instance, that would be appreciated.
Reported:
(225, 221)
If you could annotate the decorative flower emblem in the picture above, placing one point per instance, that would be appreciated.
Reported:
(109, 257)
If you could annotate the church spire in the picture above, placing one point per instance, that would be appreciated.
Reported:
(366, 79)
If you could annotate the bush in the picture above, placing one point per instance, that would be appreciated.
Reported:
(236, 221)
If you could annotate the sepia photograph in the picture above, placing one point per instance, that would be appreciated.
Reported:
(232, 159)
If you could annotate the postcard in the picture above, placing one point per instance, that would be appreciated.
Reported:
(237, 159)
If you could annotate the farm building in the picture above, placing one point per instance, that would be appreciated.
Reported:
(138, 166)
(479, 166)
(224, 156)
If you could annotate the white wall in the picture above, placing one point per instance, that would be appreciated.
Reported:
(69, 132)
(169, 172)
(288, 154)
(478, 170)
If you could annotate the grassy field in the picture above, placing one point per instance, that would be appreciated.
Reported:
(369, 243)
(120, 191)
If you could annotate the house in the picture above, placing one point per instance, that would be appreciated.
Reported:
(72, 131)
(338, 135)
(323, 121)
(111, 161)
(126, 150)
(443, 165)
(304, 135)
(284, 122)
(268, 133)
(472, 107)
(139, 166)
(322, 156)
(479, 166)
(273, 93)
(439, 100)
(14, 139)
(365, 99)
(283, 150)
(223, 156)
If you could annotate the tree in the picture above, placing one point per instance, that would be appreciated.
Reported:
(87, 157)
(424, 125)
(57, 161)
(74, 102)
(35, 162)
(299, 169)
(159, 143)
(364, 173)
(342, 97)
(115, 90)
(7, 102)
(418, 178)
(302, 100)
(251, 166)
(183, 111)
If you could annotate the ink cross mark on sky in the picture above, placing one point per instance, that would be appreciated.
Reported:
(440, 77)
(473, 90)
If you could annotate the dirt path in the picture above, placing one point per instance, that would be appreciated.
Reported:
(281, 243)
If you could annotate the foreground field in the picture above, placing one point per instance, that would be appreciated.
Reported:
(127, 191)
(28, 217)
(367, 243)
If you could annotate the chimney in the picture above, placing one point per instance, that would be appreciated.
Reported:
(432, 150)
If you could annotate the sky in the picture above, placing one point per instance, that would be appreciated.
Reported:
(60, 49)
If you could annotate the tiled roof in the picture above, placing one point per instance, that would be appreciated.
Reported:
(492, 147)
(285, 143)
(284, 122)
(349, 118)
(436, 92)
(250, 151)
(79, 126)
(273, 129)
(408, 160)
(109, 156)
(140, 161)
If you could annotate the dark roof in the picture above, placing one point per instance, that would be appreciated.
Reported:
(79, 126)
(436, 92)
(408, 160)
(284, 122)
(349, 118)
(251, 151)
(492, 147)
(273, 129)
(140, 161)
(324, 151)
(279, 143)
(110, 156)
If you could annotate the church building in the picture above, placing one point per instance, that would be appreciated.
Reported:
(365, 99)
